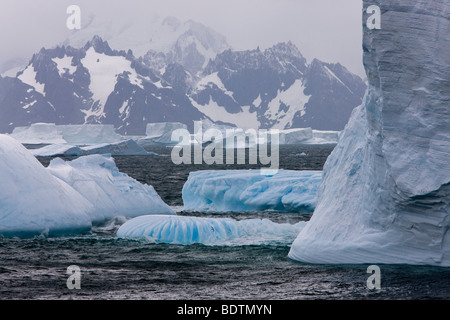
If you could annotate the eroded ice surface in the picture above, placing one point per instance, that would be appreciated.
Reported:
(385, 193)
(249, 190)
(185, 230)
(112, 192)
(33, 201)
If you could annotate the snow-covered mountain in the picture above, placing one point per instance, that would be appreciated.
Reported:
(93, 84)
(188, 43)
(277, 88)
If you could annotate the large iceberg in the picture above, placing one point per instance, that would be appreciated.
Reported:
(49, 133)
(185, 230)
(33, 201)
(249, 190)
(385, 193)
(38, 133)
(66, 197)
(88, 134)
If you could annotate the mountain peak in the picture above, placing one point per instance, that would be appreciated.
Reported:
(99, 45)
(288, 48)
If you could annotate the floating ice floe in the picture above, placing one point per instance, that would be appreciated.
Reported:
(249, 190)
(185, 230)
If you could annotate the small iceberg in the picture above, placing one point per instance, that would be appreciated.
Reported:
(119, 148)
(183, 230)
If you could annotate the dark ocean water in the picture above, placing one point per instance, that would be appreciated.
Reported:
(114, 268)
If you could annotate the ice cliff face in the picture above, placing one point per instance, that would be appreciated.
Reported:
(385, 194)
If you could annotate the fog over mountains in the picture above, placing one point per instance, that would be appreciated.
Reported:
(182, 72)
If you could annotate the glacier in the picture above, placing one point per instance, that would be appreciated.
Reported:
(67, 197)
(385, 192)
(184, 230)
(249, 190)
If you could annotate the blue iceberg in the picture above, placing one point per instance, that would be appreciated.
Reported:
(249, 190)
(185, 230)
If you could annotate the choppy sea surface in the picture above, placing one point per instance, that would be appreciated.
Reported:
(113, 268)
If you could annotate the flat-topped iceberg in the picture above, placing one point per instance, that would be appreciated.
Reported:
(66, 197)
(385, 193)
(38, 133)
(185, 230)
(77, 135)
(249, 190)
(88, 134)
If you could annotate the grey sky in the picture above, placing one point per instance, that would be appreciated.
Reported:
(329, 30)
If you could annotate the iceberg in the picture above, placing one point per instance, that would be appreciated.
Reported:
(33, 201)
(295, 136)
(38, 133)
(324, 137)
(160, 133)
(67, 197)
(113, 193)
(88, 134)
(249, 190)
(58, 150)
(77, 135)
(121, 148)
(308, 136)
(385, 192)
(184, 230)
